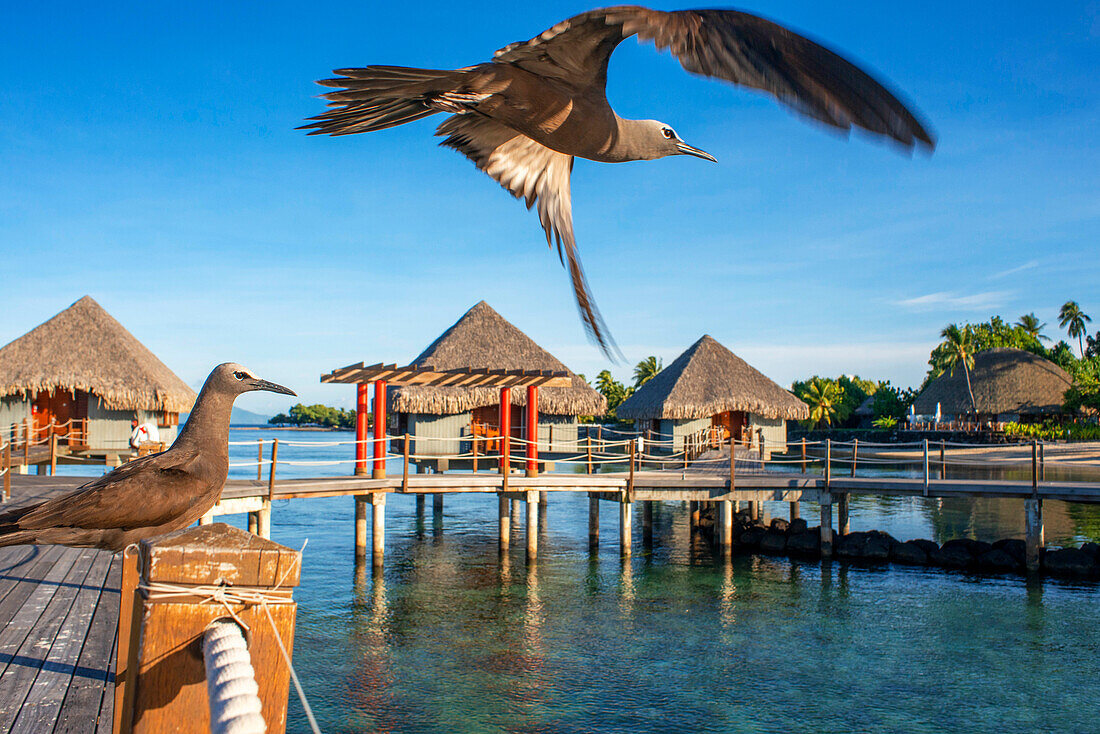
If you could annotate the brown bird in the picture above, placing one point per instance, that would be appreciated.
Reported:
(524, 116)
(152, 495)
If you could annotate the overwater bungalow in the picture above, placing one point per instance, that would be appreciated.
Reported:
(708, 385)
(1008, 385)
(483, 339)
(84, 374)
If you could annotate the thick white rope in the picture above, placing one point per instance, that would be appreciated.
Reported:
(231, 688)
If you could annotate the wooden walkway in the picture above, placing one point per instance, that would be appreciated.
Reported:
(58, 617)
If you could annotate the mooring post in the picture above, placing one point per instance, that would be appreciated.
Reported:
(626, 517)
(254, 522)
(842, 526)
(647, 522)
(437, 509)
(827, 504)
(378, 527)
(725, 531)
(593, 521)
(1033, 521)
(754, 510)
(361, 525)
(693, 514)
(795, 514)
(532, 525)
(504, 522)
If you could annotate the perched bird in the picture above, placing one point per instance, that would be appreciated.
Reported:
(524, 116)
(152, 495)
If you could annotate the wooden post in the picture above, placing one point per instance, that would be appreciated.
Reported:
(550, 440)
(943, 462)
(160, 683)
(1034, 541)
(694, 512)
(855, 454)
(360, 526)
(625, 519)
(926, 467)
(589, 452)
(593, 521)
(630, 479)
(532, 430)
(271, 471)
(1042, 462)
(532, 526)
(473, 444)
(379, 471)
(828, 469)
(53, 449)
(826, 527)
(362, 422)
(263, 520)
(725, 530)
(794, 509)
(7, 470)
(599, 438)
(647, 522)
(419, 507)
(378, 527)
(505, 424)
(405, 466)
(254, 522)
(1034, 469)
(260, 461)
(763, 452)
(437, 511)
(803, 455)
(504, 522)
(842, 514)
(733, 464)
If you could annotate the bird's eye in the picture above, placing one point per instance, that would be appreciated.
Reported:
(667, 132)
(240, 375)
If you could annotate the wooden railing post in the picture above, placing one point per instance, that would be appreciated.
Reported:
(589, 452)
(1042, 462)
(260, 461)
(26, 444)
(160, 683)
(271, 471)
(926, 467)
(473, 445)
(855, 454)
(405, 468)
(53, 448)
(803, 455)
(630, 480)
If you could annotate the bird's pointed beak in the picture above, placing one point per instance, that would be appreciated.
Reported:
(272, 387)
(686, 149)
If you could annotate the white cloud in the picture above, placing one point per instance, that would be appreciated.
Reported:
(951, 300)
(1012, 271)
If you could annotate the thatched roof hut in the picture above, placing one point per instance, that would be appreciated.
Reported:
(84, 349)
(483, 339)
(1004, 381)
(708, 379)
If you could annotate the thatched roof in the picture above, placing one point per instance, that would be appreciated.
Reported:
(708, 379)
(1004, 381)
(867, 407)
(483, 339)
(84, 348)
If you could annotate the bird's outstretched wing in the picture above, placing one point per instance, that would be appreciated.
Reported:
(146, 492)
(727, 44)
(540, 176)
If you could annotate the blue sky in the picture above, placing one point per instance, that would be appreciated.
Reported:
(149, 160)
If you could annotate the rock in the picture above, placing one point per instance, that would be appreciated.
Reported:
(951, 557)
(1013, 547)
(805, 544)
(1093, 549)
(927, 546)
(773, 542)
(877, 547)
(850, 545)
(751, 537)
(973, 547)
(996, 560)
(780, 525)
(910, 553)
(1068, 562)
(797, 526)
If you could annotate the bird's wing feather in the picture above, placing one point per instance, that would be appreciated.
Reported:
(540, 176)
(727, 44)
(146, 492)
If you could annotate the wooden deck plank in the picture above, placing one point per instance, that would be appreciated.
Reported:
(29, 656)
(89, 702)
(43, 702)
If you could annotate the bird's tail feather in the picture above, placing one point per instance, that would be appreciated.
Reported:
(378, 97)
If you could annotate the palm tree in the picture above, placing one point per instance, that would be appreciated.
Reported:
(1073, 320)
(960, 344)
(1031, 324)
(824, 399)
(646, 370)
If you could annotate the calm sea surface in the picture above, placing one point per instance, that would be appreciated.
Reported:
(451, 638)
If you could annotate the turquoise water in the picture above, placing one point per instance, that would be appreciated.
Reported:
(451, 638)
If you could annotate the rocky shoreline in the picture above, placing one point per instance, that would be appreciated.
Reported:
(796, 538)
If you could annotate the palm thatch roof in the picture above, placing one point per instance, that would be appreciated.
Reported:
(483, 339)
(708, 379)
(1004, 381)
(84, 348)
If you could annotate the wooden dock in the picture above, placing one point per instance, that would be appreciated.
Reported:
(58, 619)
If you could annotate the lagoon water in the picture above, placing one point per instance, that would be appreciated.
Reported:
(450, 638)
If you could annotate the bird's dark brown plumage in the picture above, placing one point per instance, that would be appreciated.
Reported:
(523, 116)
(152, 495)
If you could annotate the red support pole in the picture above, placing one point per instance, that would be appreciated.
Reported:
(362, 413)
(532, 430)
(379, 430)
(505, 426)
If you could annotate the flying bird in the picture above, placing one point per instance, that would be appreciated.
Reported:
(152, 495)
(524, 116)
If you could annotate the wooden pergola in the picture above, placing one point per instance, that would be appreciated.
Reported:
(383, 375)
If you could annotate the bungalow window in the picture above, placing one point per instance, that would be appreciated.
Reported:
(167, 420)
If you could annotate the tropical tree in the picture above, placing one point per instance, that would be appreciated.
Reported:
(646, 370)
(959, 352)
(1031, 324)
(824, 398)
(1073, 320)
(613, 391)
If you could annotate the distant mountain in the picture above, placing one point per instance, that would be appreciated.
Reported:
(239, 417)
